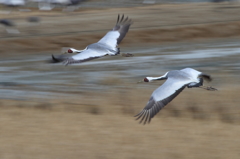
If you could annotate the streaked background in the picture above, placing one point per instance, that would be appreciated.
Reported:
(86, 110)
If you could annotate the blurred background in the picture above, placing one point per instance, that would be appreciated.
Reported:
(86, 110)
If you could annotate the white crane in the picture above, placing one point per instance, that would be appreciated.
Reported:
(176, 81)
(106, 46)
(72, 50)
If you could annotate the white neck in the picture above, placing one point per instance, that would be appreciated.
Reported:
(75, 50)
(157, 78)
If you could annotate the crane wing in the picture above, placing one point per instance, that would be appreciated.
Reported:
(161, 97)
(115, 36)
(197, 74)
(86, 55)
(191, 72)
(59, 58)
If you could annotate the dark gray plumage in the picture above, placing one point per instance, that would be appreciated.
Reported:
(122, 26)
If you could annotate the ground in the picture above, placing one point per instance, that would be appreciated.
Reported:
(86, 111)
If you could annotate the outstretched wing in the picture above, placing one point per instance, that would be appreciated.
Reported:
(86, 55)
(161, 97)
(197, 74)
(114, 37)
(59, 58)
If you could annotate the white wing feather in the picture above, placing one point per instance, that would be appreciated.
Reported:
(168, 88)
(110, 39)
(193, 73)
(89, 54)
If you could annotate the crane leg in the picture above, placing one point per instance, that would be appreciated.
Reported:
(127, 55)
(209, 88)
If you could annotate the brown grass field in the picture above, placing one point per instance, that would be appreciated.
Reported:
(100, 125)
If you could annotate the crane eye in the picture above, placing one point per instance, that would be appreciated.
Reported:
(146, 80)
(70, 51)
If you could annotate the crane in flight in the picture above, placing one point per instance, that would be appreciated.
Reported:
(176, 81)
(105, 46)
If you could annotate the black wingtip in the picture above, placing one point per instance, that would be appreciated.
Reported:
(146, 119)
(125, 20)
(54, 59)
(144, 116)
(206, 77)
(122, 18)
(118, 19)
(137, 115)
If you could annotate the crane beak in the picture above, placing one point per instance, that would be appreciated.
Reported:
(140, 81)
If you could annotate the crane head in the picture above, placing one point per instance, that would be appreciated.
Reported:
(70, 51)
(145, 79)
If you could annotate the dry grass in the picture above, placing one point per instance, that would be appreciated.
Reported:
(197, 124)
(91, 131)
(100, 125)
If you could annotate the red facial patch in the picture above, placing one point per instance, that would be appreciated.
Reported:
(70, 51)
(146, 80)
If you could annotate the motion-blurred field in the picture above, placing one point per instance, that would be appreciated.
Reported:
(86, 111)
